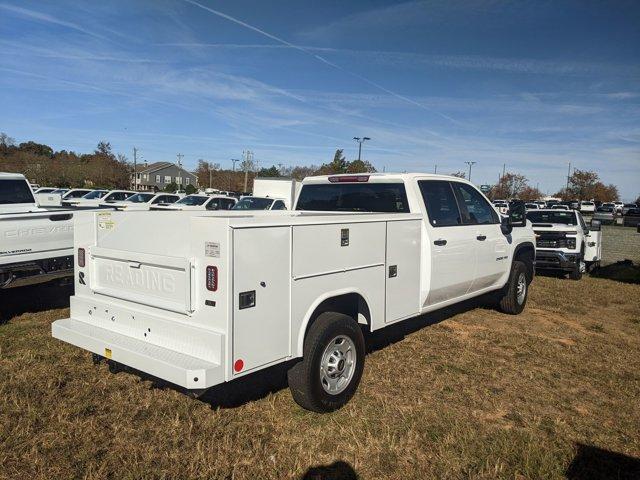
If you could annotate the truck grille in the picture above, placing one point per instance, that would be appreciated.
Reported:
(554, 240)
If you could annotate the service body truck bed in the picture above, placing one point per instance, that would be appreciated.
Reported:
(201, 298)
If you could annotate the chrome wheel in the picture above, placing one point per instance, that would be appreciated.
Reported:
(521, 288)
(582, 267)
(338, 365)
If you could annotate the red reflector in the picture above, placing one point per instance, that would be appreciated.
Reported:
(349, 179)
(238, 366)
(81, 257)
(212, 278)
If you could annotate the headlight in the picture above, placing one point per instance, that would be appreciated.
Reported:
(571, 243)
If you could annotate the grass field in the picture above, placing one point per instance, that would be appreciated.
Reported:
(464, 393)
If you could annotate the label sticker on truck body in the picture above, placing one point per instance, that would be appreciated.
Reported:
(212, 249)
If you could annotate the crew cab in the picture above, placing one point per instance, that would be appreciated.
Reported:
(92, 198)
(564, 243)
(143, 201)
(198, 202)
(260, 203)
(36, 244)
(220, 295)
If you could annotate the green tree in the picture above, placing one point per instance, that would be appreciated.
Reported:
(360, 166)
(36, 149)
(172, 187)
(338, 165)
(269, 172)
(190, 189)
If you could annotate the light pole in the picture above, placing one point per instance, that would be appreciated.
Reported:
(471, 164)
(360, 142)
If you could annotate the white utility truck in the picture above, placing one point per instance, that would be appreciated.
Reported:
(219, 295)
(285, 189)
(564, 242)
(36, 245)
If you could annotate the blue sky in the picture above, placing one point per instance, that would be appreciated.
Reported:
(533, 84)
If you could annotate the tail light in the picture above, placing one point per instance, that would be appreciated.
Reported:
(349, 179)
(212, 278)
(81, 257)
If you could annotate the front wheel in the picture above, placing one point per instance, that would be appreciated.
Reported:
(514, 293)
(332, 365)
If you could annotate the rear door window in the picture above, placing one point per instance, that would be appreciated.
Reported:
(279, 205)
(354, 197)
(15, 191)
(473, 206)
(442, 207)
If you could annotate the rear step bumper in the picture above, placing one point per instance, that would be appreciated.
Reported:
(175, 367)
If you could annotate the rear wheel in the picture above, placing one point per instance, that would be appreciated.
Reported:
(332, 365)
(514, 294)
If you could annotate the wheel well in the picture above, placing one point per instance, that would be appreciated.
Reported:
(526, 253)
(351, 304)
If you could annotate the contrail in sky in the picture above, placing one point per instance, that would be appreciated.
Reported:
(320, 58)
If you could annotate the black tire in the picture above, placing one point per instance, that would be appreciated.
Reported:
(575, 274)
(509, 301)
(305, 380)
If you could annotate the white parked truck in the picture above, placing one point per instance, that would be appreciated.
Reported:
(220, 295)
(285, 189)
(36, 245)
(564, 242)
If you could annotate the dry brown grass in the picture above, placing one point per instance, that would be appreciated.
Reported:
(477, 395)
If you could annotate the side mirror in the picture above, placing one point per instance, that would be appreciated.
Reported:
(518, 213)
(596, 225)
(505, 225)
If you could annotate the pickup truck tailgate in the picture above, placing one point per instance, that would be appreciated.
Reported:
(148, 279)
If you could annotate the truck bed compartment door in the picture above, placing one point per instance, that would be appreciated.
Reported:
(261, 296)
(402, 269)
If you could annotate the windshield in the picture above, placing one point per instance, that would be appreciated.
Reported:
(192, 200)
(76, 193)
(565, 218)
(354, 197)
(587, 203)
(140, 197)
(253, 203)
(605, 209)
(61, 191)
(15, 191)
(95, 194)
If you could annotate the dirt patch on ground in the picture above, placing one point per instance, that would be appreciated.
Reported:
(471, 394)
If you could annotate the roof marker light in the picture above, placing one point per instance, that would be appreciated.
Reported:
(349, 179)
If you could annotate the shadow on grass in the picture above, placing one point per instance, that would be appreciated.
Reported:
(593, 463)
(32, 299)
(624, 271)
(336, 471)
(258, 385)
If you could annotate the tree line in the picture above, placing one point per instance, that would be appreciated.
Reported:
(40, 164)
(104, 169)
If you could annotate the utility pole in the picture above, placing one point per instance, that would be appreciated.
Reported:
(360, 142)
(471, 164)
(248, 157)
(135, 168)
(180, 168)
(566, 190)
(233, 161)
(435, 169)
